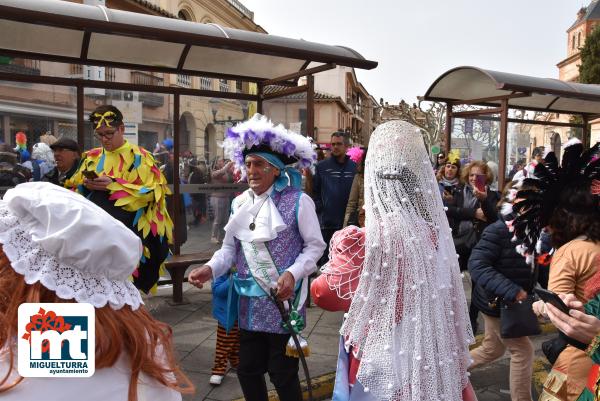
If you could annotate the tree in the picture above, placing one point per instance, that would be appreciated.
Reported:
(589, 70)
(430, 117)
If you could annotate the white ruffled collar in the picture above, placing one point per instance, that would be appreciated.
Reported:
(268, 222)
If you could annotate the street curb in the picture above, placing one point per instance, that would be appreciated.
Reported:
(541, 368)
(322, 388)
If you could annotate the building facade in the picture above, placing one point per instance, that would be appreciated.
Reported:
(553, 137)
(37, 109)
(342, 104)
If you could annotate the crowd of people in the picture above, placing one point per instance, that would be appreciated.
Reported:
(392, 232)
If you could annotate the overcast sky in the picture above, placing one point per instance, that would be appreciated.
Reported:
(416, 41)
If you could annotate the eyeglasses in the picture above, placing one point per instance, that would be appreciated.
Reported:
(440, 156)
(108, 135)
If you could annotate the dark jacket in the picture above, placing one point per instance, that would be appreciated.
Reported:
(457, 213)
(497, 269)
(53, 175)
(331, 189)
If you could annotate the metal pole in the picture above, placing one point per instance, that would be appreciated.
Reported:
(176, 202)
(310, 107)
(502, 156)
(448, 129)
(80, 118)
(259, 102)
(585, 135)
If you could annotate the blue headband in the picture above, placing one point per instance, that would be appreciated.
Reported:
(287, 175)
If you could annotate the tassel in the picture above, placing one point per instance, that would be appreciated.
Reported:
(291, 351)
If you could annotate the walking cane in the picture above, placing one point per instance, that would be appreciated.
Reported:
(286, 318)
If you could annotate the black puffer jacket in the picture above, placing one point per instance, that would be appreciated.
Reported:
(497, 269)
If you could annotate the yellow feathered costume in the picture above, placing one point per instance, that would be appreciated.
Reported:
(139, 190)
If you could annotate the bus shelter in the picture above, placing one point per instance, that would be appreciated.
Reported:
(510, 114)
(172, 78)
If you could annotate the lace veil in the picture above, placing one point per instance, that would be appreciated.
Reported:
(408, 319)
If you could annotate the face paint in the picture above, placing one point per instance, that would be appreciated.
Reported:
(106, 118)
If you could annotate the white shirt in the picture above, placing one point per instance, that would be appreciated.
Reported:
(106, 384)
(310, 231)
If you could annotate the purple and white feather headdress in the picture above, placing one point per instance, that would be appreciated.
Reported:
(260, 132)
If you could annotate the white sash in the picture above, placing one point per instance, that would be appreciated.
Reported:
(264, 271)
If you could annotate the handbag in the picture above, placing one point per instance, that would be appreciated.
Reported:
(517, 319)
(465, 242)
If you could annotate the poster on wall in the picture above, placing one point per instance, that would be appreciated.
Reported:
(132, 110)
(131, 133)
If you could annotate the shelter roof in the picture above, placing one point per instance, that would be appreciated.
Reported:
(95, 35)
(487, 87)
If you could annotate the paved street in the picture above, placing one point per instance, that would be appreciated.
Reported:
(195, 335)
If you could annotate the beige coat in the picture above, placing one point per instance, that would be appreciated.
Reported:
(356, 201)
(572, 266)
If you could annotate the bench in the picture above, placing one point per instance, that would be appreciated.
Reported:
(177, 265)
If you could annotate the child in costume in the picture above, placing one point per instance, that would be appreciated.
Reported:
(225, 302)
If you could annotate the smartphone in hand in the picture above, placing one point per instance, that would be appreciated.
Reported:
(552, 299)
(90, 175)
(480, 182)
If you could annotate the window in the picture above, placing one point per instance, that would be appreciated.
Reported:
(573, 43)
(238, 87)
(302, 118)
(185, 15)
(579, 39)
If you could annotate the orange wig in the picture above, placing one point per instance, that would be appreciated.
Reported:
(116, 330)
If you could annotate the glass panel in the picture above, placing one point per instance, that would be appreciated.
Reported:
(525, 141)
(288, 110)
(22, 36)
(36, 109)
(134, 50)
(208, 185)
(148, 116)
(477, 139)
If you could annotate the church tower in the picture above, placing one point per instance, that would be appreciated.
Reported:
(587, 19)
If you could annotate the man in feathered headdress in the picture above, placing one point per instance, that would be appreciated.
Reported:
(273, 239)
(123, 179)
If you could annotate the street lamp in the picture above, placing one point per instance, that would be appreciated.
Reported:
(214, 108)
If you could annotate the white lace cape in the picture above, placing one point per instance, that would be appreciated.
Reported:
(408, 319)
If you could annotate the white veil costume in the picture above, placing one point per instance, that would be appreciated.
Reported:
(408, 320)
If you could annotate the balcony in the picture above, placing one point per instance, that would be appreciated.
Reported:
(152, 99)
(145, 78)
(20, 66)
(206, 83)
(148, 99)
(223, 85)
(184, 81)
(241, 8)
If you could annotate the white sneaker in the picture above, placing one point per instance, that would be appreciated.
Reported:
(216, 380)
